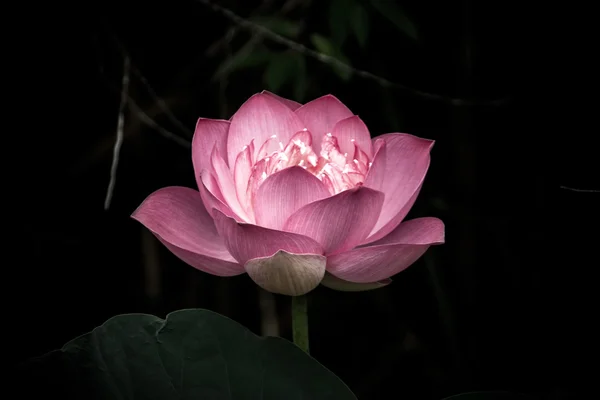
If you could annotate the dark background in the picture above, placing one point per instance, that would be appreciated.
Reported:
(507, 303)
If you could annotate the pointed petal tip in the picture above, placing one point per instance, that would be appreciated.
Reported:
(158, 193)
(287, 273)
(204, 119)
(178, 218)
(293, 105)
(329, 96)
(258, 118)
(390, 255)
(431, 230)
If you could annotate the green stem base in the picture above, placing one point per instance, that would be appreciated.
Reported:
(300, 322)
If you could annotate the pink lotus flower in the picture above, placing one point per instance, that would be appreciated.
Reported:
(297, 196)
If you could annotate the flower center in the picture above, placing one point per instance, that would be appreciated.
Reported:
(337, 171)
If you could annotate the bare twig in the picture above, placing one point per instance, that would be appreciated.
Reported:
(332, 61)
(226, 40)
(119, 140)
(157, 99)
(580, 190)
(149, 121)
(135, 108)
(255, 40)
(146, 119)
(161, 103)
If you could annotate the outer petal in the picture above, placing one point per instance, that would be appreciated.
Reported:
(376, 174)
(290, 103)
(204, 263)
(350, 131)
(247, 241)
(287, 273)
(259, 118)
(178, 218)
(209, 133)
(335, 283)
(390, 255)
(283, 193)
(321, 115)
(339, 222)
(406, 164)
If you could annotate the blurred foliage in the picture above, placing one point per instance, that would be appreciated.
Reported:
(349, 24)
(396, 15)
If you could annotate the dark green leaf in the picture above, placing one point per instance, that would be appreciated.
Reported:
(281, 69)
(248, 56)
(325, 46)
(339, 21)
(359, 20)
(487, 396)
(280, 26)
(322, 44)
(300, 80)
(395, 14)
(193, 354)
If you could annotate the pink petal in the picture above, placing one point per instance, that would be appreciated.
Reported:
(226, 185)
(259, 118)
(290, 103)
(406, 164)
(268, 147)
(247, 241)
(283, 193)
(390, 255)
(203, 263)
(286, 273)
(243, 168)
(335, 283)
(376, 174)
(339, 222)
(360, 159)
(321, 115)
(212, 197)
(208, 134)
(178, 218)
(351, 131)
(257, 177)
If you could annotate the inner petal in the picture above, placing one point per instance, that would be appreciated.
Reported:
(338, 171)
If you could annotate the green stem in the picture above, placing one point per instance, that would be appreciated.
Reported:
(300, 322)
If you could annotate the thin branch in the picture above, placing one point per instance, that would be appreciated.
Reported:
(580, 190)
(161, 103)
(149, 121)
(119, 140)
(226, 40)
(157, 99)
(146, 119)
(332, 61)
